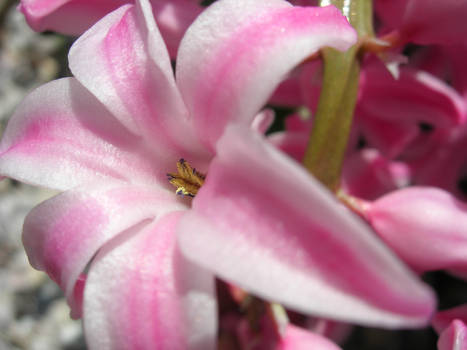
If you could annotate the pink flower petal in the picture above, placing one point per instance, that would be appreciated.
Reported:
(293, 143)
(236, 53)
(262, 222)
(457, 55)
(336, 331)
(75, 16)
(66, 16)
(425, 21)
(443, 318)
(173, 17)
(391, 110)
(391, 138)
(76, 298)
(302, 86)
(288, 92)
(61, 235)
(369, 175)
(142, 294)
(296, 338)
(426, 227)
(446, 165)
(123, 61)
(263, 121)
(62, 137)
(454, 337)
(414, 96)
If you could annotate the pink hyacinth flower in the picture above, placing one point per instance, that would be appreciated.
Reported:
(391, 110)
(75, 16)
(425, 21)
(426, 227)
(108, 137)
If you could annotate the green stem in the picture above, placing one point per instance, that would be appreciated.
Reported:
(333, 119)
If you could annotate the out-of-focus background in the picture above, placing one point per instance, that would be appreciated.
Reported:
(33, 313)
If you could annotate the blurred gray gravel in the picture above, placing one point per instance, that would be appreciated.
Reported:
(33, 312)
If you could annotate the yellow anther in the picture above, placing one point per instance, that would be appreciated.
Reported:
(187, 181)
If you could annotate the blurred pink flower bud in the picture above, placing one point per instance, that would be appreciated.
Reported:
(442, 319)
(426, 227)
(454, 337)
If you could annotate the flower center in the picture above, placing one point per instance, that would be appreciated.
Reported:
(188, 181)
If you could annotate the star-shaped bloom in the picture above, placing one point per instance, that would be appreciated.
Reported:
(109, 136)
